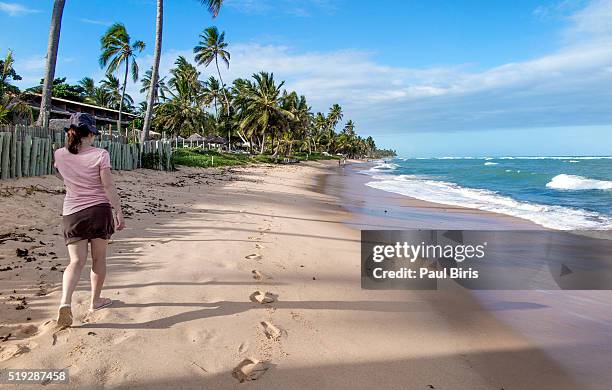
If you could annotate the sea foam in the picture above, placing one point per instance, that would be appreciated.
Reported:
(572, 182)
(554, 217)
(384, 167)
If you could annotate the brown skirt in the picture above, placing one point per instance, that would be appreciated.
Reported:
(93, 222)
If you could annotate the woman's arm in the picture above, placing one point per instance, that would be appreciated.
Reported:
(113, 197)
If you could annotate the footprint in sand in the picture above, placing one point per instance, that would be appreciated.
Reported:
(253, 256)
(250, 369)
(258, 275)
(14, 351)
(262, 297)
(259, 246)
(243, 347)
(271, 331)
(18, 331)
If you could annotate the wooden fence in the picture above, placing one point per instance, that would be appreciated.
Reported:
(28, 151)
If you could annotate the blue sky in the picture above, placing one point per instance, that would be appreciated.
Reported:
(427, 78)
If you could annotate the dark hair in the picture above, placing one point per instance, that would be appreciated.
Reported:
(74, 137)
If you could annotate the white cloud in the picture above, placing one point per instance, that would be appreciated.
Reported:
(95, 21)
(31, 68)
(16, 9)
(558, 9)
(593, 20)
(299, 8)
(32, 64)
(569, 86)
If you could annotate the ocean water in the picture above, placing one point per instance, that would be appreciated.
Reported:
(564, 193)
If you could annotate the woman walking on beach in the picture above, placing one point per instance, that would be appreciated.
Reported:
(90, 199)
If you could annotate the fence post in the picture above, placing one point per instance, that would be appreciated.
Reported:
(168, 155)
(42, 156)
(6, 143)
(27, 148)
(124, 157)
(1, 151)
(50, 156)
(34, 156)
(136, 156)
(18, 159)
(13, 159)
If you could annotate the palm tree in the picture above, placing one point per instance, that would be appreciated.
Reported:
(52, 46)
(115, 97)
(349, 128)
(13, 109)
(182, 112)
(212, 92)
(260, 107)
(89, 88)
(211, 47)
(320, 124)
(297, 128)
(7, 71)
(161, 90)
(333, 117)
(214, 6)
(371, 145)
(117, 50)
(102, 97)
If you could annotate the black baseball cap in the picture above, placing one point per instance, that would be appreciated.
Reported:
(83, 119)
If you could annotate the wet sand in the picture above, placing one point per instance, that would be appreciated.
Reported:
(573, 328)
(182, 273)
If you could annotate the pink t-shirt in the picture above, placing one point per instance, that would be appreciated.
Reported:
(81, 173)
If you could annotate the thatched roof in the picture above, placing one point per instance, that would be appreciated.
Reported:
(195, 137)
(215, 139)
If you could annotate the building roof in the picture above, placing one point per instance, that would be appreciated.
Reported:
(195, 137)
(215, 139)
(53, 98)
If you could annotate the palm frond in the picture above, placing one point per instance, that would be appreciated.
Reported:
(214, 6)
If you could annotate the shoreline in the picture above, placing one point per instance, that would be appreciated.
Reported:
(375, 208)
(182, 272)
(568, 310)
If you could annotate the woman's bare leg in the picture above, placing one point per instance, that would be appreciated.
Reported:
(98, 271)
(72, 273)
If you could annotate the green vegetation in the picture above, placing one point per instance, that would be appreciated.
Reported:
(195, 157)
(118, 50)
(12, 107)
(258, 114)
(61, 89)
(107, 94)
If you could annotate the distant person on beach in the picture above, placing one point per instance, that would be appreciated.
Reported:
(90, 199)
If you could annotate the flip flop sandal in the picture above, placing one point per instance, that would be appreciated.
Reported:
(64, 316)
(108, 303)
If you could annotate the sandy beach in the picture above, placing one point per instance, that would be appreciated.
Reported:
(200, 242)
